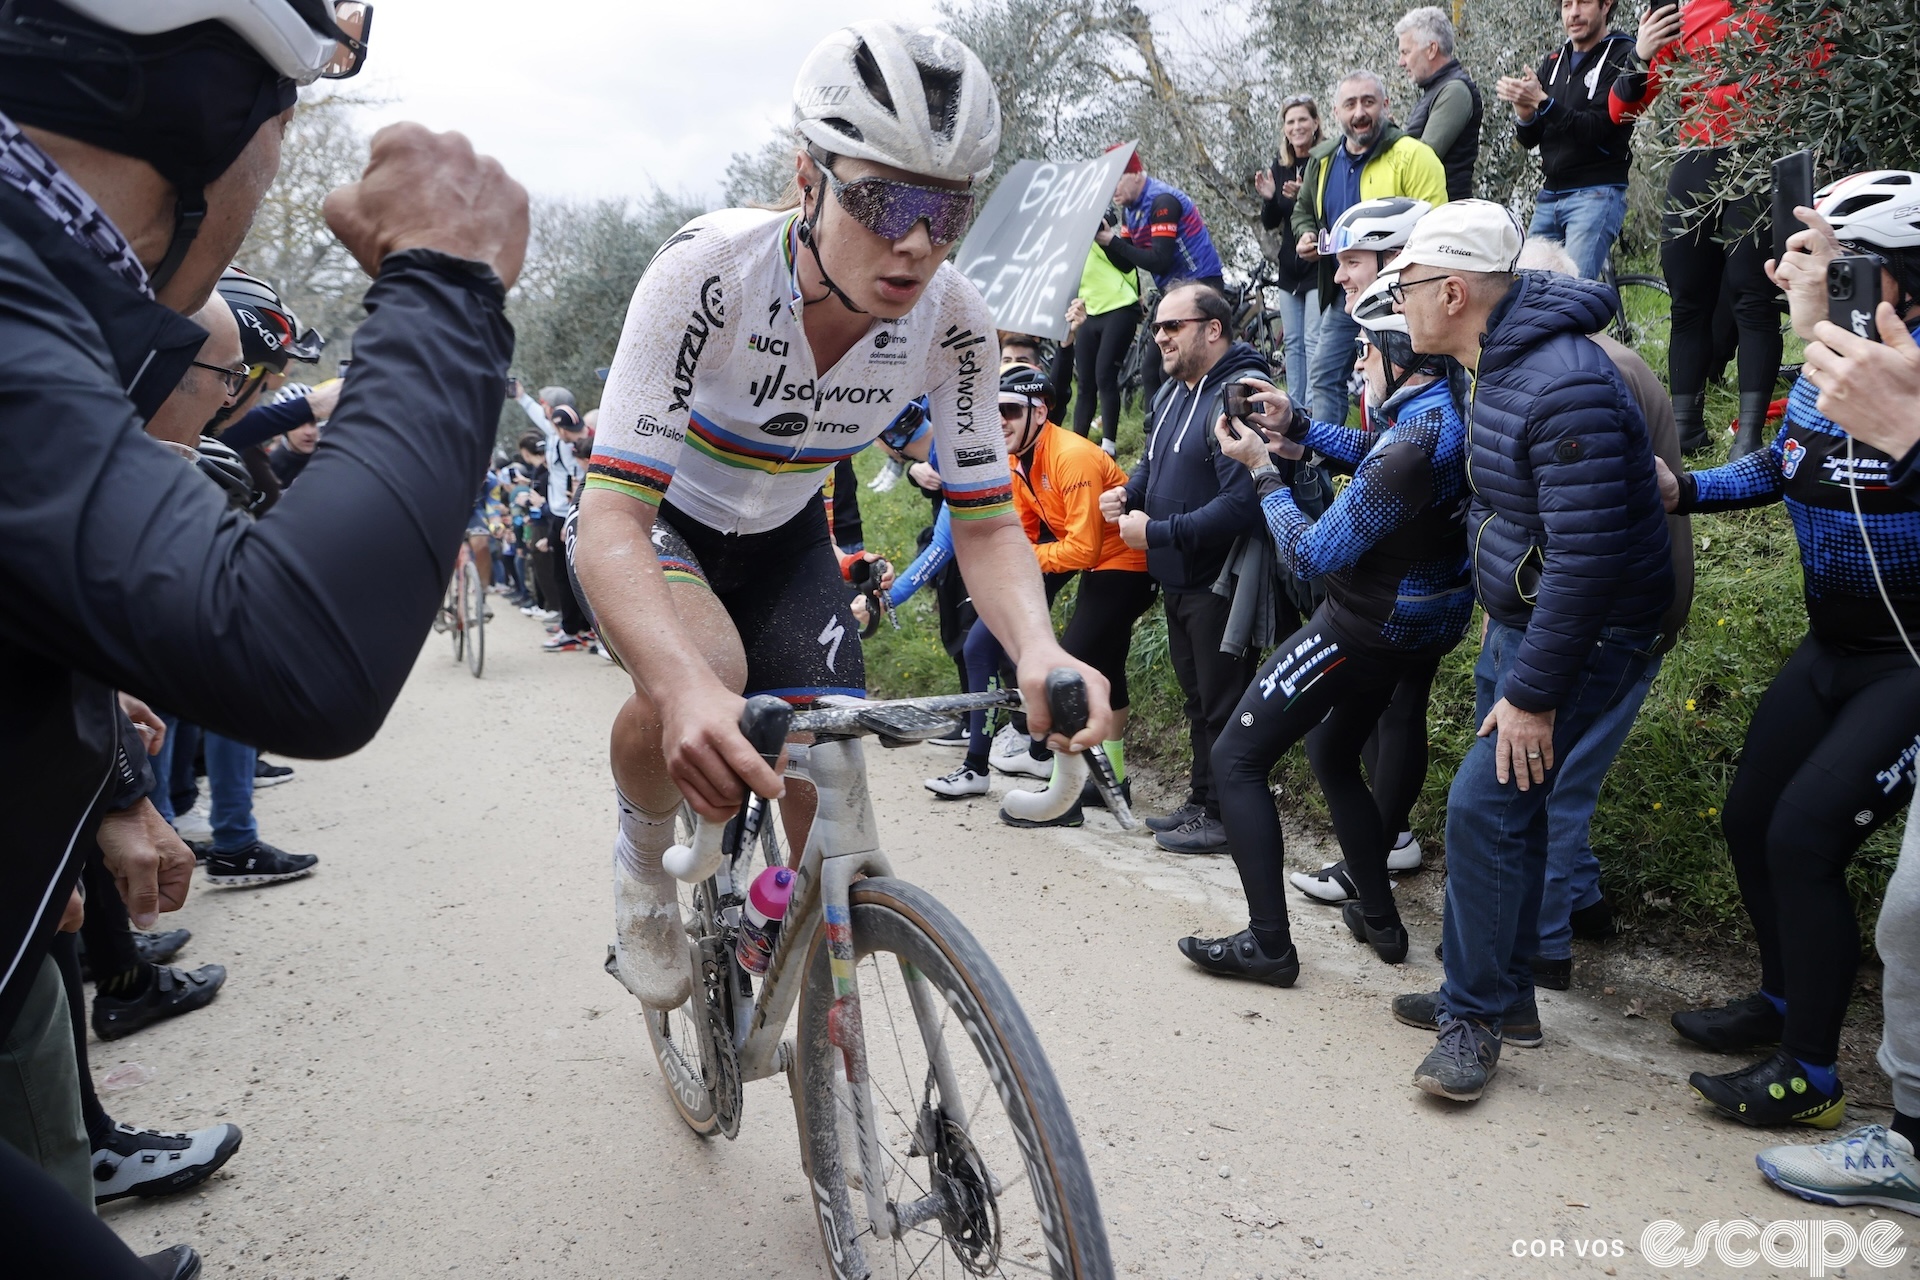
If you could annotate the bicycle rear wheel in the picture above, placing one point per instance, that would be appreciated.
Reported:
(985, 1169)
(1645, 322)
(475, 614)
(456, 619)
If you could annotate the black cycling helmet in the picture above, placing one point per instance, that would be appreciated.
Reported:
(1025, 380)
(220, 464)
(270, 334)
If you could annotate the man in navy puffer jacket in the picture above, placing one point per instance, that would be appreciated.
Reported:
(1571, 562)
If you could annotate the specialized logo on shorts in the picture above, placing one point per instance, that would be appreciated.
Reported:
(974, 455)
(830, 637)
(1864, 818)
(1793, 453)
(785, 425)
(1246, 717)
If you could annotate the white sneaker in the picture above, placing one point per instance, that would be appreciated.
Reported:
(961, 782)
(196, 824)
(650, 942)
(1405, 854)
(1871, 1165)
(1009, 754)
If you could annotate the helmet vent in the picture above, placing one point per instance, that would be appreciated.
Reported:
(868, 68)
(942, 88)
(845, 127)
(1855, 204)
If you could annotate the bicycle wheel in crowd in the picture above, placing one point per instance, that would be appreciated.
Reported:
(456, 621)
(983, 1162)
(474, 598)
(1646, 318)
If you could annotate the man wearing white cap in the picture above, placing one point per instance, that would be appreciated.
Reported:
(1571, 564)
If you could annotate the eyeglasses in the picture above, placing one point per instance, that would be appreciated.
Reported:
(891, 209)
(1398, 289)
(1163, 328)
(232, 379)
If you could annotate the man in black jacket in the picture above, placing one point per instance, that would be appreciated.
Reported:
(1571, 563)
(122, 565)
(1561, 109)
(1186, 504)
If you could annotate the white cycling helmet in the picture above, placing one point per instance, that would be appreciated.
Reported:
(1879, 208)
(911, 97)
(304, 40)
(1373, 309)
(1382, 225)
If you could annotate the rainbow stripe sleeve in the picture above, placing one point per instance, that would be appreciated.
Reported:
(635, 474)
(981, 501)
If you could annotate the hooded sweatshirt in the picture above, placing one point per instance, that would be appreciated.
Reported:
(1197, 500)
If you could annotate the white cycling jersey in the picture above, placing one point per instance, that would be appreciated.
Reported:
(713, 395)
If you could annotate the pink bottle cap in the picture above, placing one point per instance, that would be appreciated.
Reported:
(771, 891)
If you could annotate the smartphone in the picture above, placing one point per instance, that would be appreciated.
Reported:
(1792, 189)
(1660, 8)
(1853, 295)
(1237, 403)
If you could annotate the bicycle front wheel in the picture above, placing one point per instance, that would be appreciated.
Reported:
(476, 616)
(985, 1175)
(456, 618)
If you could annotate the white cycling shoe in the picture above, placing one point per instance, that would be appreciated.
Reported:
(960, 783)
(1332, 885)
(650, 941)
(1009, 754)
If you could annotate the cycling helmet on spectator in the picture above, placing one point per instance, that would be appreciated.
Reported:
(914, 98)
(270, 334)
(1025, 386)
(1386, 329)
(1879, 211)
(220, 464)
(1382, 224)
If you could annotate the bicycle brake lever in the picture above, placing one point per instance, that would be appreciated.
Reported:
(764, 724)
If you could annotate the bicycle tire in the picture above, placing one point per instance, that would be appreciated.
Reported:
(1645, 320)
(475, 594)
(1058, 1229)
(456, 623)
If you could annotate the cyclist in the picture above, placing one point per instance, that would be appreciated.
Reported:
(1162, 233)
(761, 347)
(1830, 753)
(1058, 478)
(1393, 552)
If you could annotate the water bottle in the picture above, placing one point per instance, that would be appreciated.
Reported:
(767, 899)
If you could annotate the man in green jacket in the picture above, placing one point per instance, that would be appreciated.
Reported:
(1369, 158)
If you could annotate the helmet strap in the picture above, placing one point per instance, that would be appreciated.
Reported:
(808, 234)
(189, 211)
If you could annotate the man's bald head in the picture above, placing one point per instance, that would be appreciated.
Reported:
(201, 393)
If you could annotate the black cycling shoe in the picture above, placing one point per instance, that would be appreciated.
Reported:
(177, 1263)
(1772, 1092)
(153, 948)
(1389, 944)
(1554, 975)
(1735, 1027)
(170, 992)
(258, 863)
(1091, 798)
(1241, 957)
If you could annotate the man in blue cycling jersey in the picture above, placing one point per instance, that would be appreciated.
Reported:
(1161, 233)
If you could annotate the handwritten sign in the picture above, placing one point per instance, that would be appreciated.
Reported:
(1029, 245)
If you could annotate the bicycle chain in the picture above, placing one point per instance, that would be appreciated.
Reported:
(725, 1085)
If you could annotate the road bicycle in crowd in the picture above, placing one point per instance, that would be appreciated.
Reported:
(463, 612)
(933, 1135)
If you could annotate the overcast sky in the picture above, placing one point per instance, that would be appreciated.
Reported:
(592, 98)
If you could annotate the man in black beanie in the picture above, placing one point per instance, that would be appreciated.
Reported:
(135, 146)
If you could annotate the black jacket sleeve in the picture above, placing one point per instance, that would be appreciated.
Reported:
(266, 422)
(1277, 210)
(1530, 132)
(132, 779)
(295, 632)
(1163, 250)
(1060, 382)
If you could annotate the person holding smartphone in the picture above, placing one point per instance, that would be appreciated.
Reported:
(1830, 753)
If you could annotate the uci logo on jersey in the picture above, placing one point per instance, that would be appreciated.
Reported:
(785, 425)
(772, 346)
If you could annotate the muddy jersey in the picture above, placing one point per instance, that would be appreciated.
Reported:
(713, 395)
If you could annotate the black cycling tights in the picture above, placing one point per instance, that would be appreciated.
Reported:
(1396, 754)
(1828, 758)
(1697, 264)
(1099, 351)
(1101, 629)
(1318, 687)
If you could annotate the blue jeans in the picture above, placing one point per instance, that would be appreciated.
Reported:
(1497, 834)
(1332, 363)
(162, 762)
(1573, 873)
(1300, 321)
(1586, 219)
(230, 779)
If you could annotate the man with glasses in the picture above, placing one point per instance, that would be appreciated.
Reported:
(1571, 563)
(1185, 505)
(1371, 158)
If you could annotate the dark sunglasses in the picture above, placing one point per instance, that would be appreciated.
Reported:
(891, 209)
(1161, 327)
(232, 379)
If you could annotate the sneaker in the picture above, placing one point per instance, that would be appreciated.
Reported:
(1241, 957)
(1178, 818)
(1872, 1165)
(1091, 798)
(146, 1162)
(196, 823)
(1738, 1026)
(1422, 1009)
(1009, 754)
(954, 735)
(1405, 854)
(1202, 833)
(1554, 975)
(152, 948)
(268, 774)
(1773, 1091)
(1389, 944)
(1460, 1063)
(961, 782)
(1330, 884)
(170, 992)
(533, 610)
(564, 642)
(258, 863)
(1595, 923)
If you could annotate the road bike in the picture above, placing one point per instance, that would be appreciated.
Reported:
(463, 612)
(1645, 319)
(933, 1136)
